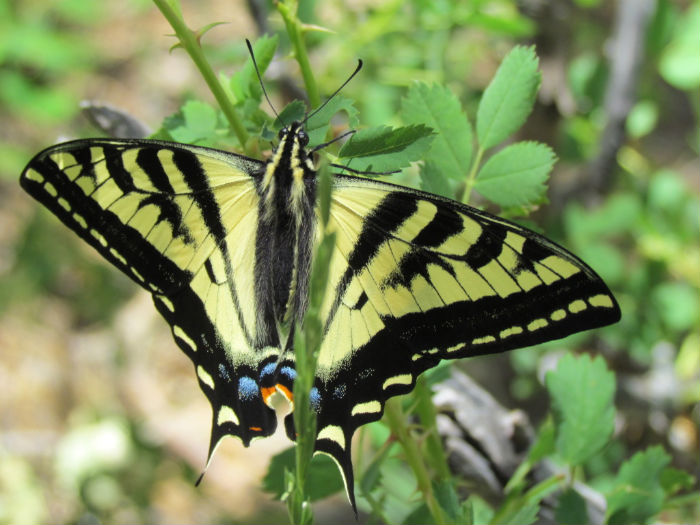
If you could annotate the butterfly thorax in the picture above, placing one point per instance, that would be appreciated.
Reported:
(284, 241)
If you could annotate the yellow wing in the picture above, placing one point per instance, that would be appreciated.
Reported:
(181, 221)
(416, 278)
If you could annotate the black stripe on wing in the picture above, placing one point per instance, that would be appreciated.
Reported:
(122, 245)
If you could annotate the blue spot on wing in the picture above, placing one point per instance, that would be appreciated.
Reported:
(315, 399)
(289, 372)
(268, 369)
(248, 388)
(339, 391)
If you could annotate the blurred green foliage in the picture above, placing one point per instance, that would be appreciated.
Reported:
(67, 271)
(643, 238)
(35, 53)
(39, 43)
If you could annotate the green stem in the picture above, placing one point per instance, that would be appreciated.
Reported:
(190, 42)
(471, 178)
(298, 504)
(307, 342)
(508, 511)
(435, 452)
(377, 508)
(396, 419)
(295, 30)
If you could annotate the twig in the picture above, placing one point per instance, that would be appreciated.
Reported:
(626, 54)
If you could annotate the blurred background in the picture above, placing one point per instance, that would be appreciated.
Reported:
(101, 417)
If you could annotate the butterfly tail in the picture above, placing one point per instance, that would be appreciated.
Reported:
(342, 457)
(333, 441)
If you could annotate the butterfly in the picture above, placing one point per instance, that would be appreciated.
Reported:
(224, 243)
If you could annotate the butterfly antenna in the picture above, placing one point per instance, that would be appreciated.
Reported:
(257, 72)
(357, 70)
(336, 139)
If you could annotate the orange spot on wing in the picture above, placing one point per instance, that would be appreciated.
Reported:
(255, 429)
(266, 393)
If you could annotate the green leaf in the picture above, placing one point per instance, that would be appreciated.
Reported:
(198, 122)
(396, 496)
(372, 474)
(674, 480)
(419, 516)
(318, 124)
(293, 111)
(585, 77)
(244, 83)
(688, 359)
(433, 180)
(523, 508)
(508, 99)
(667, 191)
(542, 447)
(448, 500)
(199, 33)
(678, 305)
(571, 509)
(437, 107)
(642, 118)
(383, 148)
(480, 511)
(323, 479)
(679, 65)
(582, 393)
(637, 493)
(521, 513)
(516, 175)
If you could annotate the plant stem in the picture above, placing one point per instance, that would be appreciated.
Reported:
(307, 342)
(190, 42)
(435, 453)
(532, 497)
(471, 178)
(295, 30)
(396, 419)
(298, 504)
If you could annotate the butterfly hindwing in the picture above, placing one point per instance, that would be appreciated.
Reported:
(181, 222)
(416, 278)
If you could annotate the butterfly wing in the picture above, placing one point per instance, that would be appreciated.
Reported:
(181, 221)
(416, 278)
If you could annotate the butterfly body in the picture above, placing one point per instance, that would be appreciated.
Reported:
(286, 229)
(224, 244)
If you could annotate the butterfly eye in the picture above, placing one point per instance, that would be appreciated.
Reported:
(303, 138)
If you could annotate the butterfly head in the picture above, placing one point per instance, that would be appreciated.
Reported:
(291, 154)
(288, 173)
(295, 132)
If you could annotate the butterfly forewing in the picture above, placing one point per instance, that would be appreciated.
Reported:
(181, 221)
